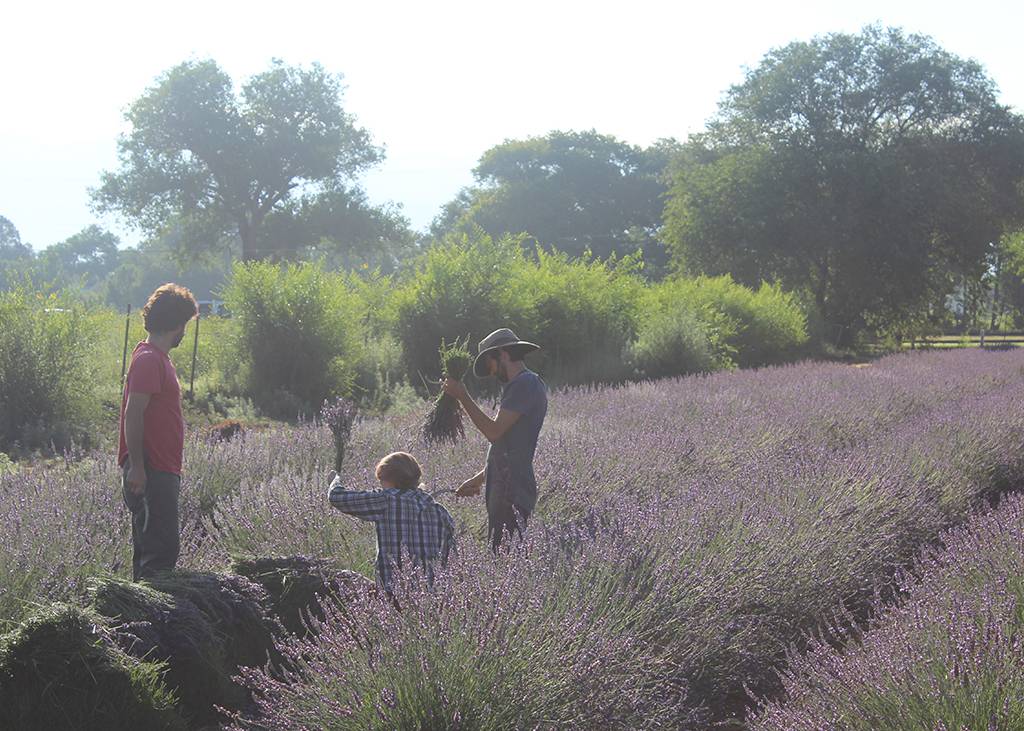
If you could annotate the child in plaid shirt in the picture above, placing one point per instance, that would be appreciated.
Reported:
(407, 519)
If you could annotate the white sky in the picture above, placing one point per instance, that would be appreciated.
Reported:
(437, 82)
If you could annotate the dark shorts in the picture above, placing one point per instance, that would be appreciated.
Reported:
(155, 540)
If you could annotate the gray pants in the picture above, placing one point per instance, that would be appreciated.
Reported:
(155, 540)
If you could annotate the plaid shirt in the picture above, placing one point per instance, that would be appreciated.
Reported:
(407, 521)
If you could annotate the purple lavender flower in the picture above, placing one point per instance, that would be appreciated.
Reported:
(339, 415)
(688, 532)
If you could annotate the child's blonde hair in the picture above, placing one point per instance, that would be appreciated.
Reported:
(400, 469)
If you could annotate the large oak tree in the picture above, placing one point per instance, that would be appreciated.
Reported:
(211, 163)
(871, 170)
(570, 191)
(10, 242)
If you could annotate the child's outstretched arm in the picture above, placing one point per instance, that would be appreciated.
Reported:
(364, 504)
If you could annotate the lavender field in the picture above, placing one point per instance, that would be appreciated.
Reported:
(691, 536)
(950, 656)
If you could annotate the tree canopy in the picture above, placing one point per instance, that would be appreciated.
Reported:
(570, 191)
(204, 160)
(11, 247)
(869, 170)
(85, 258)
(341, 228)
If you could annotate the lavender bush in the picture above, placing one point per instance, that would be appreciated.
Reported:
(950, 656)
(563, 655)
(688, 533)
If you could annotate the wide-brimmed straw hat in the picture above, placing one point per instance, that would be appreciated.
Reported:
(503, 338)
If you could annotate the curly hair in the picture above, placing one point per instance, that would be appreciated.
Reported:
(168, 308)
(401, 469)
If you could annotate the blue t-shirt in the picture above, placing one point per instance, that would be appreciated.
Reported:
(509, 473)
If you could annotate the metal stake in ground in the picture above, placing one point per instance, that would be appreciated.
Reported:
(195, 349)
(124, 353)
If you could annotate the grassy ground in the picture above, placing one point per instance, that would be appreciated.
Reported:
(213, 334)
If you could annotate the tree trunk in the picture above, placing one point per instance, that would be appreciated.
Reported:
(247, 233)
(995, 299)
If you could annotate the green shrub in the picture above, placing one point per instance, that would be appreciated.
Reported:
(583, 314)
(463, 286)
(47, 385)
(674, 342)
(776, 329)
(749, 328)
(7, 466)
(298, 335)
(387, 389)
(381, 374)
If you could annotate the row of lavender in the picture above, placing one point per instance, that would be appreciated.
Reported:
(689, 531)
(692, 532)
(949, 656)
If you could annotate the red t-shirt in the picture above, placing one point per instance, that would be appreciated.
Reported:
(163, 437)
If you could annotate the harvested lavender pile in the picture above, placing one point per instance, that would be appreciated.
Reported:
(444, 422)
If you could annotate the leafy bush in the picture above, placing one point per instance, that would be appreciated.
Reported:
(47, 391)
(381, 372)
(774, 330)
(582, 313)
(748, 327)
(673, 342)
(463, 286)
(679, 334)
(298, 336)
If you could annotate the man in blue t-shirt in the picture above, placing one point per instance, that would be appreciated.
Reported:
(511, 486)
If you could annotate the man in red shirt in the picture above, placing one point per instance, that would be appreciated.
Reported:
(153, 433)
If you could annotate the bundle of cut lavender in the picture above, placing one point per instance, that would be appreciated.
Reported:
(339, 415)
(444, 422)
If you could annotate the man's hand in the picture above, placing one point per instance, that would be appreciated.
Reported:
(470, 487)
(455, 389)
(136, 479)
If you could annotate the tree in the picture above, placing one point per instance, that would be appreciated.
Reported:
(16, 259)
(86, 257)
(141, 270)
(997, 300)
(869, 170)
(211, 163)
(11, 248)
(341, 228)
(570, 191)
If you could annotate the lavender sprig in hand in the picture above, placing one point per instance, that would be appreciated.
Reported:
(339, 415)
